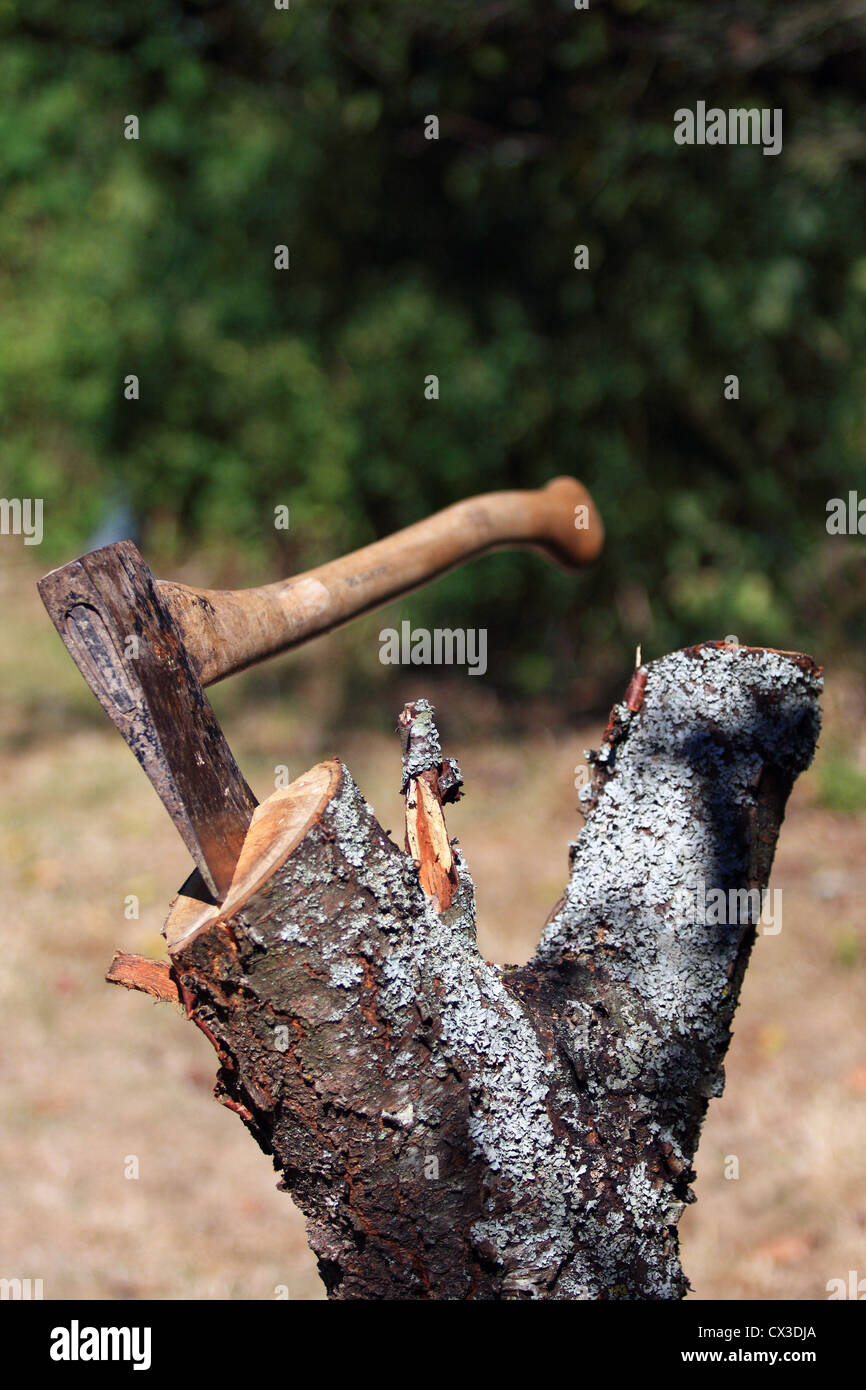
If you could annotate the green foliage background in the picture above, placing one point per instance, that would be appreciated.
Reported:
(258, 387)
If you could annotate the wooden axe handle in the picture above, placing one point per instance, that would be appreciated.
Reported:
(226, 630)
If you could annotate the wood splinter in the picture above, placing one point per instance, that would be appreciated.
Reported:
(149, 976)
(429, 780)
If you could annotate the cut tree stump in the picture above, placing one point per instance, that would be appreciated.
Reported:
(454, 1129)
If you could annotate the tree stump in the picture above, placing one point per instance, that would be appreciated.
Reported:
(454, 1129)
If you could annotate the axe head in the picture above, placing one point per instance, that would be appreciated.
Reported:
(125, 643)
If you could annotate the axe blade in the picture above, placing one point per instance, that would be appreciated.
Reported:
(125, 643)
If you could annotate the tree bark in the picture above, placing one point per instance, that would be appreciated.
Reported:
(454, 1129)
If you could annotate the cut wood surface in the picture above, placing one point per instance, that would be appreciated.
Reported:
(455, 1129)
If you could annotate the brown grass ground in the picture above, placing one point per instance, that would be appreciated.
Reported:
(92, 1075)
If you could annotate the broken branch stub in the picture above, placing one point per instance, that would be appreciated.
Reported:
(455, 1129)
(428, 780)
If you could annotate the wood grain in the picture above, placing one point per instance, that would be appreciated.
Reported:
(228, 630)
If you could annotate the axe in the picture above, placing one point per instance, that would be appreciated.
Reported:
(147, 647)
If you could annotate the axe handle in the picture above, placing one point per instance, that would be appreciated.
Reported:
(227, 630)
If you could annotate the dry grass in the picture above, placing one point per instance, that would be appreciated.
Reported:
(92, 1074)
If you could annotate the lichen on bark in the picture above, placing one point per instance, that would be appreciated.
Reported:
(456, 1129)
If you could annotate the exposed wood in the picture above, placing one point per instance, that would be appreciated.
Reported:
(426, 833)
(148, 976)
(277, 827)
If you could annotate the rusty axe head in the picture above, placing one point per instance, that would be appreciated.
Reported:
(120, 633)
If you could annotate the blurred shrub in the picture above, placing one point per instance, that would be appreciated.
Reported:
(411, 257)
(842, 785)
